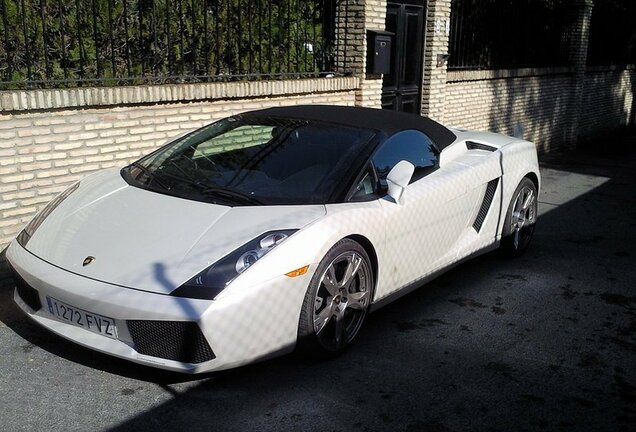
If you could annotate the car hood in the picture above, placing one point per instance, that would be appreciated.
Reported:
(146, 240)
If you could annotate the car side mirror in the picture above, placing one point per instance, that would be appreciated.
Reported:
(398, 179)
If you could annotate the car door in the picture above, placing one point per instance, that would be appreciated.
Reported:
(423, 228)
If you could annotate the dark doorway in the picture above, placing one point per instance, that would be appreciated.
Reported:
(401, 89)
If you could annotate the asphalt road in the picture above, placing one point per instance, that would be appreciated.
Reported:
(543, 342)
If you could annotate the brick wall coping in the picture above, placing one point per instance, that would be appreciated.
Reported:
(612, 68)
(480, 75)
(23, 100)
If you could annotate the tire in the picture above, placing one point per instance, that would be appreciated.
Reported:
(333, 313)
(521, 219)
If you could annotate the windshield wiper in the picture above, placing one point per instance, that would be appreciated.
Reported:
(230, 193)
(153, 175)
(186, 176)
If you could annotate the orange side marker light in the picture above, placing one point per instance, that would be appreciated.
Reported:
(298, 272)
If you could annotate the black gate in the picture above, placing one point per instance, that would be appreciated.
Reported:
(71, 43)
(401, 89)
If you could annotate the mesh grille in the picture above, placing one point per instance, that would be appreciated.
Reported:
(173, 340)
(485, 205)
(28, 294)
(470, 145)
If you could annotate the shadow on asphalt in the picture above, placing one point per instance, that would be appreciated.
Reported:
(544, 341)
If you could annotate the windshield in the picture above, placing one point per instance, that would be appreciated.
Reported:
(253, 161)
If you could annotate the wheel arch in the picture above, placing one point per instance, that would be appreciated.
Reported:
(370, 250)
(534, 178)
(519, 161)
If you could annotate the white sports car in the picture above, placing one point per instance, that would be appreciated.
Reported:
(269, 230)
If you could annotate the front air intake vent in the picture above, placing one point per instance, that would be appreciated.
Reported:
(471, 145)
(28, 294)
(172, 340)
(485, 204)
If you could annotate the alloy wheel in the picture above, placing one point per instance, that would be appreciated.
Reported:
(523, 218)
(342, 300)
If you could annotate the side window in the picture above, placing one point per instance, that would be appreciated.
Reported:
(364, 188)
(410, 145)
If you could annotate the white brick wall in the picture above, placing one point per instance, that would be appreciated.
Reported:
(434, 76)
(538, 100)
(362, 15)
(608, 100)
(43, 152)
(370, 93)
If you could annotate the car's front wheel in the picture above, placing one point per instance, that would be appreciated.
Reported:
(520, 219)
(337, 300)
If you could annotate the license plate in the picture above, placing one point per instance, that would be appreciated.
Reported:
(90, 321)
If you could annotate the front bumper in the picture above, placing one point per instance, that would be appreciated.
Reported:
(241, 328)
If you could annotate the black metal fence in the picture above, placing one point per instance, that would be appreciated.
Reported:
(496, 34)
(66, 43)
(612, 33)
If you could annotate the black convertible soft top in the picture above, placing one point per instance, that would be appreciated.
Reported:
(385, 121)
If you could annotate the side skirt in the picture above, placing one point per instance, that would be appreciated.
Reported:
(378, 304)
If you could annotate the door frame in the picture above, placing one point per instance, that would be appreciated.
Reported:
(398, 40)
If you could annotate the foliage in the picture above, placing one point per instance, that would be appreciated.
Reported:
(612, 33)
(66, 43)
(500, 34)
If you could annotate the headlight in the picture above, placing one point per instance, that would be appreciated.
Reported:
(211, 281)
(26, 234)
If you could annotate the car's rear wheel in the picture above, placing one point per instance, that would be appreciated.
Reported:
(337, 300)
(520, 219)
